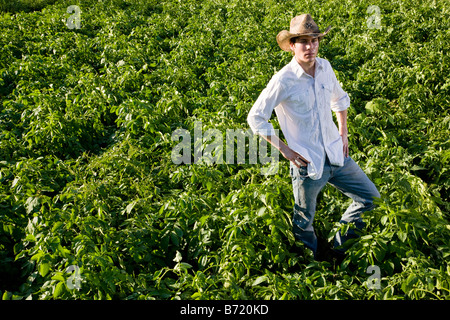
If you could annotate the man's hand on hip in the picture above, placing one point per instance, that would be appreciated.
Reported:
(294, 157)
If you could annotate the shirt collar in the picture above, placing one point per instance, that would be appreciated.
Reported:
(298, 68)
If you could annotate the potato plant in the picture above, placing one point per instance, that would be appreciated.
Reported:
(93, 207)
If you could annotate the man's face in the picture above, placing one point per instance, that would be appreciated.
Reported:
(305, 49)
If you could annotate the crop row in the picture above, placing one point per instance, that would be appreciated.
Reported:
(94, 207)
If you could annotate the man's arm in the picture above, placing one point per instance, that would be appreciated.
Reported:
(287, 152)
(342, 123)
(260, 113)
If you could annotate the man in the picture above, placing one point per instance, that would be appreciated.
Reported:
(303, 94)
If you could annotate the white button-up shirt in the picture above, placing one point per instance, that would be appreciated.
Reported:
(303, 106)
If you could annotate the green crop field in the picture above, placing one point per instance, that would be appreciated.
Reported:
(93, 205)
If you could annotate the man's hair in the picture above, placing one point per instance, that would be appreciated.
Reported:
(294, 40)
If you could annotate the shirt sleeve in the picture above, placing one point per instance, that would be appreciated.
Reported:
(340, 100)
(260, 113)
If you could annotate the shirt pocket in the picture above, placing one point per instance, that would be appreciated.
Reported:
(301, 101)
(327, 90)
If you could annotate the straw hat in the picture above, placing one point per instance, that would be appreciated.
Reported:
(302, 25)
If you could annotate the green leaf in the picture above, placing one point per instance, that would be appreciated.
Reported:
(379, 253)
(6, 295)
(130, 206)
(367, 237)
(408, 284)
(402, 235)
(174, 238)
(261, 212)
(59, 289)
(37, 257)
(56, 226)
(185, 265)
(44, 268)
(58, 277)
(178, 257)
(30, 238)
(32, 202)
(259, 280)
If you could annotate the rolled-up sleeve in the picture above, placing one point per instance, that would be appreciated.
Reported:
(260, 113)
(340, 100)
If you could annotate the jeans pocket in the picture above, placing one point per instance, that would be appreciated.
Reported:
(299, 173)
(303, 170)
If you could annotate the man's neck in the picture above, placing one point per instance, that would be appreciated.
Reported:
(309, 68)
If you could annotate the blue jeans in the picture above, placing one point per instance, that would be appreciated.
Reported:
(350, 180)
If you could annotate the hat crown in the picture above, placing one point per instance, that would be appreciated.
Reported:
(303, 24)
(300, 25)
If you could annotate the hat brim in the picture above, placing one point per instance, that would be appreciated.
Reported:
(284, 37)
